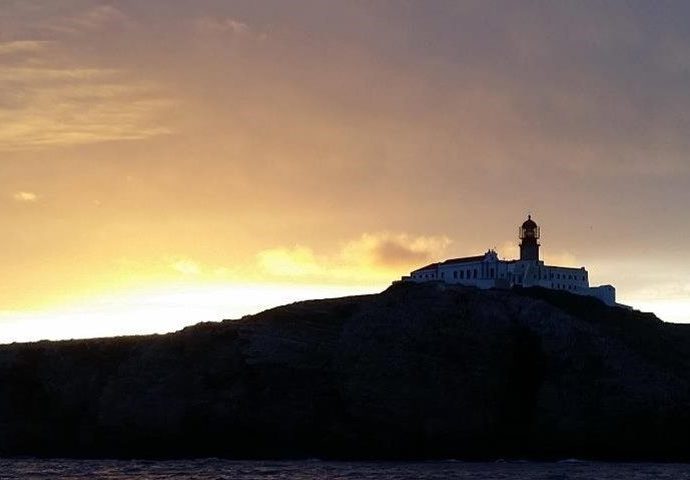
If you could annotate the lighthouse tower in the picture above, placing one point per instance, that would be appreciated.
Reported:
(529, 240)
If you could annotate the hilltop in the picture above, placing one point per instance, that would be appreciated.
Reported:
(417, 371)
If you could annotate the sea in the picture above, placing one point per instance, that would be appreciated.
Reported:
(216, 469)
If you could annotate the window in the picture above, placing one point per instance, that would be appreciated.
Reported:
(462, 274)
(491, 272)
(475, 273)
(455, 274)
(443, 274)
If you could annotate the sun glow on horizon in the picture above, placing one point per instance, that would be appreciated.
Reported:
(675, 310)
(165, 309)
(159, 310)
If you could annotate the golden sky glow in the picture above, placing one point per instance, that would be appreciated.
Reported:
(324, 147)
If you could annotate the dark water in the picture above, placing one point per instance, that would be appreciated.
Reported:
(213, 469)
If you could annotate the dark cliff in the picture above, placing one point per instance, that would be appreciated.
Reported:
(418, 371)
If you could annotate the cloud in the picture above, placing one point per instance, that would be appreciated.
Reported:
(95, 19)
(46, 75)
(220, 30)
(387, 250)
(25, 197)
(221, 25)
(49, 100)
(379, 256)
(186, 266)
(297, 261)
(390, 252)
(22, 46)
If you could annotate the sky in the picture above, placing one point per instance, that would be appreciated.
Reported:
(168, 162)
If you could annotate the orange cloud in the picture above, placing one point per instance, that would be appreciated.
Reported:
(380, 257)
(22, 46)
(25, 197)
(94, 19)
(186, 266)
(222, 25)
(297, 261)
(48, 103)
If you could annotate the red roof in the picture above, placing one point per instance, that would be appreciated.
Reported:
(452, 261)
(476, 258)
(428, 267)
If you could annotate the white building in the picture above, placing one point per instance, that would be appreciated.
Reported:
(487, 271)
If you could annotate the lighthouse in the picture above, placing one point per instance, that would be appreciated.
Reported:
(529, 240)
(489, 271)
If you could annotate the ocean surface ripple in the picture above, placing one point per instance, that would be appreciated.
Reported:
(215, 469)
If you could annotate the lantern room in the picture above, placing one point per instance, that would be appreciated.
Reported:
(529, 236)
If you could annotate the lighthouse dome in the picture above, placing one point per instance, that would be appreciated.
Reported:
(529, 232)
(529, 223)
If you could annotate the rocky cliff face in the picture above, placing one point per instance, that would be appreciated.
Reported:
(418, 371)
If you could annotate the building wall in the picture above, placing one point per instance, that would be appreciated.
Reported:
(492, 272)
(605, 293)
(565, 278)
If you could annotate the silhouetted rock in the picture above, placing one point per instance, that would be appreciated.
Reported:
(418, 371)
